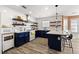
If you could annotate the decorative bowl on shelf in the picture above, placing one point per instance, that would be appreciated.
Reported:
(18, 17)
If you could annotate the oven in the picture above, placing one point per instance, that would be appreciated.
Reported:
(8, 41)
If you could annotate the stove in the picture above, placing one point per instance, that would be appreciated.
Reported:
(7, 38)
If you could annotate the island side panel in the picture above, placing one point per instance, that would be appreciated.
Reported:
(54, 42)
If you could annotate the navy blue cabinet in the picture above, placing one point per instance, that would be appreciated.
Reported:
(41, 33)
(54, 42)
(21, 38)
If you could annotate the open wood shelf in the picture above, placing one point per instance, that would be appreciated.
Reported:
(56, 21)
(33, 25)
(19, 20)
(55, 25)
(18, 24)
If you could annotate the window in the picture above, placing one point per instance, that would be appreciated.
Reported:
(74, 26)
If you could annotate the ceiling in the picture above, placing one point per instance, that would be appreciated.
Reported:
(40, 11)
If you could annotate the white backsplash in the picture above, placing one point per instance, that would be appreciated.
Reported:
(22, 28)
(7, 30)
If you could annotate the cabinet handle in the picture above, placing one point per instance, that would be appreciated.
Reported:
(58, 38)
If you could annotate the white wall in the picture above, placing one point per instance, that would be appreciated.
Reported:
(65, 24)
(7, 14)
(39, 20)
(0, 35)
(31, 18)
(0, 44)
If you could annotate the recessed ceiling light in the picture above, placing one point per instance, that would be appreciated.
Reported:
(17, 5)
(46, 8)
(30, 12)
(4, 10)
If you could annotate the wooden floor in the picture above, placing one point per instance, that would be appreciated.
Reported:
(40, 46)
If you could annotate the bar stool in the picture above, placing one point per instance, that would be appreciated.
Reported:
(68, 41)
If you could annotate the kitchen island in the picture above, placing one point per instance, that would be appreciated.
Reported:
(41, 33)
(55, 41)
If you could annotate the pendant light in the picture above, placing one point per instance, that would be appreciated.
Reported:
(56, 17)
(27, 17)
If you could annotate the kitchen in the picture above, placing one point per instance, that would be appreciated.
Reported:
(27, 25)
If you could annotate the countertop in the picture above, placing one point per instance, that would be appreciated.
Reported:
(42, 30)
(56, 33)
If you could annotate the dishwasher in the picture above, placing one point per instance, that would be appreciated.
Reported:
(32, 35)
